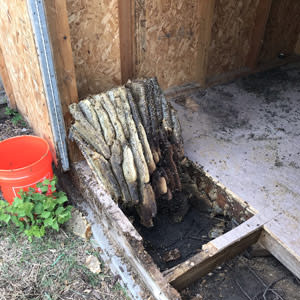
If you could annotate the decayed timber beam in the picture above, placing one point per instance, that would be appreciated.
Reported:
(262, 15)
(207, 9)
(59, 32)
(215, 253)
(6, 81)
(126, 39)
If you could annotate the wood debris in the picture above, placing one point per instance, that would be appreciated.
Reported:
(172, 255)
(79, 225)
(93, 264)
(131, 139)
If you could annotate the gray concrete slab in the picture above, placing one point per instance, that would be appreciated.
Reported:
(246, 135)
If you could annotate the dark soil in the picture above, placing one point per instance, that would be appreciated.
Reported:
(188, 236)
(258, 278)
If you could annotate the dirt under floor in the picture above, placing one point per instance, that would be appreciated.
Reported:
(244, 278)
(171, 243)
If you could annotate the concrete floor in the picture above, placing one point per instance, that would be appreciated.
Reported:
(246, 135)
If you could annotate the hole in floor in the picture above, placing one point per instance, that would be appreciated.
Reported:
(170, 243)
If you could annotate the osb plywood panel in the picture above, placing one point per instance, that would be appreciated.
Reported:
(21, 59)
(6, 82)
(233, 24)
(94, 29)
(167, 40)
(282, 30)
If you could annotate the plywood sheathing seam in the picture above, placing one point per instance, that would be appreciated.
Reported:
(282, 30)
(231, 35)
(94, 27)
(23, 68)
(6, 81)
(167, 40)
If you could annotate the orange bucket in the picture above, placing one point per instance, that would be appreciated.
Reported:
(24, 161)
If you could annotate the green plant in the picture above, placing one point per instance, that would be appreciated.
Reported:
(119, 287)
(16, 118)
(37, 209)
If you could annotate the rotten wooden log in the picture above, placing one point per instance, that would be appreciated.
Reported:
(106, 125)
(88, 132)
(152, 158)
(118, 165)
(131, 138)
(98, 164)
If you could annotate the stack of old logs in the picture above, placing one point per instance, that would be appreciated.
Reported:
(131, 139)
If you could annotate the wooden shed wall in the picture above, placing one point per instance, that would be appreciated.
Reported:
(20, 56)
(232, 30)
(167, 40)
(95, 40)
(282, 30)
(177, 41)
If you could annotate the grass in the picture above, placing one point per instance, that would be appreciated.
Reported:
(16, 117)
(52, 268)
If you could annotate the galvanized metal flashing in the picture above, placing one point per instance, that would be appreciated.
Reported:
(39, 24)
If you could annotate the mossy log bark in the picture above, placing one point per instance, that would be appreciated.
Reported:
(131, 138)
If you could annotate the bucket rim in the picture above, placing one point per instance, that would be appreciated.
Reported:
(33, 164)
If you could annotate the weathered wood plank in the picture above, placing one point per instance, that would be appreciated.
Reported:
(262, 15)
(215, 253)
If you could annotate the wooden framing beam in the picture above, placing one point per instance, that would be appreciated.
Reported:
(126, 18)
(297, 48)
(215, 253)
(59, 31)
(207, 9)
(6, 81)
(262, 15)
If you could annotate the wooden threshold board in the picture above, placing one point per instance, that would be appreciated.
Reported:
(216, 252)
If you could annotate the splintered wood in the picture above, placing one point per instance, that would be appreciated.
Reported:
(131, 139)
